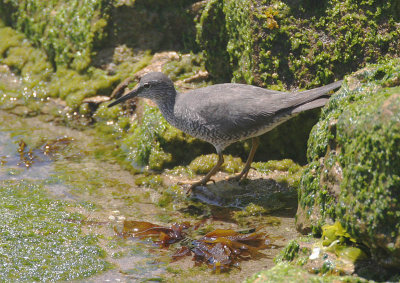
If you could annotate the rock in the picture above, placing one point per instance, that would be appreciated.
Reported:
(354, 171)
(295, 43)
(285, 272)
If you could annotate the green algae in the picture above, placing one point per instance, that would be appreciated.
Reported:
(371, 171)
(289, 253)
(180, 171)
(337, 240)
(186, 66)
(250, 210)
(279, 44)
(354, 161)
(142, 141)
(335, 232)
(203, 164)
(323, 135)
(291, 178)
(241, 39)
(173, 194)
(285, 272)
(256, 214)
(39, 82)
(213, 40)
(39, 79)
(152, 181)
(280, 165)
(67, 30)
(41, 240)
(335, 253)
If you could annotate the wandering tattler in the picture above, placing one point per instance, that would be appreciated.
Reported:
(222, 114)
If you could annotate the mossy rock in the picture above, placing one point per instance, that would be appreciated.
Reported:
(295, 43)
(203, 164)
(72, 32)
(68, 31)
(285, 272)
(354, 171)
(156, 24)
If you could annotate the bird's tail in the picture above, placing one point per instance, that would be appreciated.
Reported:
(314, 98)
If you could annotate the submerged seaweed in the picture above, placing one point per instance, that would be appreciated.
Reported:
(220, 249)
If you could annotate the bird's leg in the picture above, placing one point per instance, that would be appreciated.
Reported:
(254, 144)
(207, 177)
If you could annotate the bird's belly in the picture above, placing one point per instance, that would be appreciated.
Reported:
(221, 137)
(258, 131)
(203, 132)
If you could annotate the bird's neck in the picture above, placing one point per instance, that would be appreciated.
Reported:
(166, 107)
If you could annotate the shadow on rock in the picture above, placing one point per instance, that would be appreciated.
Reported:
(258, 196)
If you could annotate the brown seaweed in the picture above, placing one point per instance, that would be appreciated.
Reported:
(28, 156)
(166, 235)
(220, 249)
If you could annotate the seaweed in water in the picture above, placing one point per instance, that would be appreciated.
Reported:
(219, 250)
(28, 156)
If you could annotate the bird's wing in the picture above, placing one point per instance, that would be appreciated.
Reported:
(230, 108)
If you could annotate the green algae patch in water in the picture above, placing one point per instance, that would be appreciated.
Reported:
(40, 240)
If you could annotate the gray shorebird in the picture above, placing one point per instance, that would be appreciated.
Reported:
(222, 114)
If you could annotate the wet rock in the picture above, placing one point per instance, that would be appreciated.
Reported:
(354, 171)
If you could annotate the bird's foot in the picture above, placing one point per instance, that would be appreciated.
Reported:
(241, 176)
(202, 182)
(236, 178)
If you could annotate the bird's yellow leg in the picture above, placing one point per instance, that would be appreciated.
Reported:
(254, 145)
(212, 172)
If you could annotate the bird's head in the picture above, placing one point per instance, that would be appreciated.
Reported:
(155, 86)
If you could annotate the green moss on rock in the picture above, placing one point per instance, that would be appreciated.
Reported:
(152, 181)
(354, 172)
(280, 165)
(250, 210)
(67, 30)
(40, 81)
(186, 66)
(213, 38)
(301, 43)
(285, 272)
(289, 253)
(290, 171)
(203, 164)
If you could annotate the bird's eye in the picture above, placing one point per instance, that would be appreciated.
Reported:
(146, 86)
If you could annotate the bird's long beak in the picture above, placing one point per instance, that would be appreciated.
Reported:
(127, 96)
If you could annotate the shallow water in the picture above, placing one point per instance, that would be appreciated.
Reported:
(97, 195)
